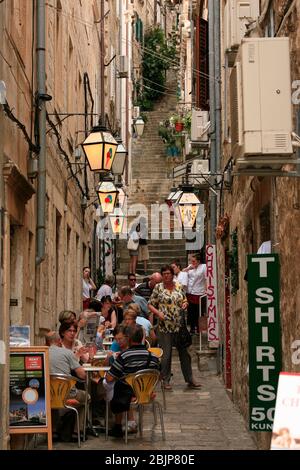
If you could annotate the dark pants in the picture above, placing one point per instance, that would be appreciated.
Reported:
(166, 341)
(193, 314)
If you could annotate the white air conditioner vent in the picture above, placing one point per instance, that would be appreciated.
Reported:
(199, 126)
(260, 103)
(199, 167)
(237, 15)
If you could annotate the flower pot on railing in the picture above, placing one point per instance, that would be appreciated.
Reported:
(179, 126)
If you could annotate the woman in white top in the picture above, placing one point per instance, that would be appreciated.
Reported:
(179, 276)
(196, 289)
(87, 286)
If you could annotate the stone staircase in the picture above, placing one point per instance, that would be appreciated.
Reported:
(150, 185)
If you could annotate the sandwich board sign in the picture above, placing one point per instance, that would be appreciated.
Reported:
(29, 392)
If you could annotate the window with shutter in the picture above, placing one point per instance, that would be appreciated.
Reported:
(202, 70)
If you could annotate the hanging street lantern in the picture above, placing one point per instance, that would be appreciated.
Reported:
(188, 205)
(119, 162)
(117, 218)
(100, 149)
(107, 193)
(139, 125)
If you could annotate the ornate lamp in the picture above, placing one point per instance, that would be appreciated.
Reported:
(107, 193)
(119, 162)
(117, 218)
(99, 149)
(188, 205)
(139, 125)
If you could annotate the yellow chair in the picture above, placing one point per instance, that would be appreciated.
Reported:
(143, 384)
(60, 386)
(158, 352)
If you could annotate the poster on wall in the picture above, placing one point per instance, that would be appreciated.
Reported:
(264, 339)
(27, 405)
(286, 427)
(19, 336)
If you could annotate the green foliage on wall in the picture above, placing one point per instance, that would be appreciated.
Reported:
(158, 57)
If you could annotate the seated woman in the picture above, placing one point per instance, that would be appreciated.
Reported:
(67, 332)
(108, 312)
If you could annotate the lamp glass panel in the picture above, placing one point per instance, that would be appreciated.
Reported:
(117, 219)
(93, 154)
(121, 197)
(188, 214)
(171, 195)
(119, 162)
(176, 196)
(109, 155)
(139, 126)
(188, 198)
(107, 201)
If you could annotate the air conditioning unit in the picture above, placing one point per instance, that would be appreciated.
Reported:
(199, 126)
(198, 168)
(236, 16)
(123, 66)
(260, 103)
(135, 112)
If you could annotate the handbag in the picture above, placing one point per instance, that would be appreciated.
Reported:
(184, 339)
(133, 242)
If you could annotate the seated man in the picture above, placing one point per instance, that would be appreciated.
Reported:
(135, 358)
(146, 287)
(128, 297)
(64, 361)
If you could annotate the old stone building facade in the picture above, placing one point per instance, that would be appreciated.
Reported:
(262, 208)
(63, 65)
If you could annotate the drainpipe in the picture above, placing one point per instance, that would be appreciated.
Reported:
(102, 53)
(212, 105)
(41, 90)
(217, 83)
(4, 273)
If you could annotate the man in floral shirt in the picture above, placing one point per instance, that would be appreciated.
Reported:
(167, 302)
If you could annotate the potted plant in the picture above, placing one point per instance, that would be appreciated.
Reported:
(177, 122)
(167, 132)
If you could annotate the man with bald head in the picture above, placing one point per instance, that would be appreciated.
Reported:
(145, 288)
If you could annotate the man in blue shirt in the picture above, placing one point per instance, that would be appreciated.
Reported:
(128, 297)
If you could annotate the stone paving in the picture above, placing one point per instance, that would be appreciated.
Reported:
(195, 420)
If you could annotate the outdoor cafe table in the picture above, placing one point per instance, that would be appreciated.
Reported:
(89, 369)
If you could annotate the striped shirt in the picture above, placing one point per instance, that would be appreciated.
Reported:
(132, 360)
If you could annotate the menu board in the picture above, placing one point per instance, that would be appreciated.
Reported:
(29, 406)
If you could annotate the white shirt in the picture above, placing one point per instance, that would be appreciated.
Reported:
(197, 280)
(181, 278)
(104, 291)
(146, 324)
(86, 289)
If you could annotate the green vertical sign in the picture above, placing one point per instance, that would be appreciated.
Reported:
(264, 339)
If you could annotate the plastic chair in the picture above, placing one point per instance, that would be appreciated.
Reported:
(143, 384)
(60, 386)
(158, 352)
